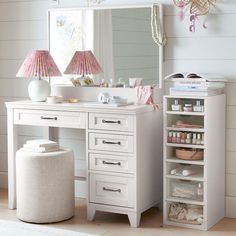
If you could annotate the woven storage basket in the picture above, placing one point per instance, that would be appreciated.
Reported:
(189, 154)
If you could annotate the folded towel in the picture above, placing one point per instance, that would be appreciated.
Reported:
(40, 149)
(40, 143)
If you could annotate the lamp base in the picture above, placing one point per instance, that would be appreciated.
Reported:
(39, 90)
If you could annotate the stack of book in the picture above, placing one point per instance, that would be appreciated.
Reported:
(193, 84)
(40, 146)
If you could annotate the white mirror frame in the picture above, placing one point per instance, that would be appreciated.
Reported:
(98, 7)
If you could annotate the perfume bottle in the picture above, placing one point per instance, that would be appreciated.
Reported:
(178, 138)
(174, 139)
(194, 139)
(198, 107)
(169, 139)
(182, 138)
(188, 139)
(198, 142)
(200, 192)
(202, 141)
(176, 106)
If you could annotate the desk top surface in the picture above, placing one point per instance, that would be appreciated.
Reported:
(81, 106)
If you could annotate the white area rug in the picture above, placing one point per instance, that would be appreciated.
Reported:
(10, 228)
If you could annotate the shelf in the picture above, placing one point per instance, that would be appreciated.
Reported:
(198, 177)
(184, 145)
(195, 130)
(191, 226)
(182, 113)
(183, 200)
(180, 161)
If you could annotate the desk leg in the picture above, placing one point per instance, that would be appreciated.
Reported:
(48, 133)
(12, 148)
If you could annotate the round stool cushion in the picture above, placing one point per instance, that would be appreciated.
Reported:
(45, 186)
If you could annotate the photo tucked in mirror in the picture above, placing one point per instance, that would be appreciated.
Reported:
(120, 39)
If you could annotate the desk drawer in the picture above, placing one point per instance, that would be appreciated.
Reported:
(112, 190)
(50, 118)
(110, 142)
(112, 163)
(113, 122)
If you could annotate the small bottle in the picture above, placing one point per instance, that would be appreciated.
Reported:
(120, 83)
(111, 83)
(178, 138)
(188, 107)
(202, 141)
(188, 139)
(198, 107)
(104, 83)
(182, 138)
(174, 137)
(198, 142)
(176, 106)
(169, 139)
(200, 192)
(194, 139)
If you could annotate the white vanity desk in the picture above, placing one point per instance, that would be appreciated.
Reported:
(123, 152)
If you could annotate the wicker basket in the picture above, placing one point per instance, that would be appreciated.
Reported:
(189, 154)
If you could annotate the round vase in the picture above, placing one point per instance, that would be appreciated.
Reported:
(39, 90)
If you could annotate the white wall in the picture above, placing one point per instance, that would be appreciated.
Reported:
(23, 27)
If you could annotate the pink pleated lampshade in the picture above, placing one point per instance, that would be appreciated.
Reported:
(38, 63)
(83, 63)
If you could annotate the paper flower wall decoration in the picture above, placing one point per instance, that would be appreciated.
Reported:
(197, 8)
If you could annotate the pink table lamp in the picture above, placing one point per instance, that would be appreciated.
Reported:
(83, 63)
(38, 64)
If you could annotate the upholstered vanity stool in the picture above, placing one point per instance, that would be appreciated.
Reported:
(45, 186)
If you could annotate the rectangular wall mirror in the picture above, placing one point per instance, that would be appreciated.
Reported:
(120, 38)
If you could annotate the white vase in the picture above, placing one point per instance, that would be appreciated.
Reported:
(39, 90)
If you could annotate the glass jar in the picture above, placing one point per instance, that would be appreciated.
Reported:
(188, 107)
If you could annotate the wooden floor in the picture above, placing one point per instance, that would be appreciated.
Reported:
(118, 225)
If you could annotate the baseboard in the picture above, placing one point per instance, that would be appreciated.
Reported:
(3, 180)
(230, 205)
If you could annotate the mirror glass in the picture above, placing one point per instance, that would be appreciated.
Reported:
(120, 39)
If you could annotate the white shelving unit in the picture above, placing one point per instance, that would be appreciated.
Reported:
(211, 169)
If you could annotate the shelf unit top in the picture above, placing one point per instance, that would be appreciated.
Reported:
(188, 96)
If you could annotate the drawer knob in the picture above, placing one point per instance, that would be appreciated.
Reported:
(111, 121)
(111, 190)
(48, 118)
(106, 142)
(111, 163)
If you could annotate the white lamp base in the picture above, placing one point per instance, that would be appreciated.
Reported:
(39, 90)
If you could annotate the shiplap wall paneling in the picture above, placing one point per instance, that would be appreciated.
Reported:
(23, 24)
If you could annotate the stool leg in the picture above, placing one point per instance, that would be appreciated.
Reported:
(91, 211)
